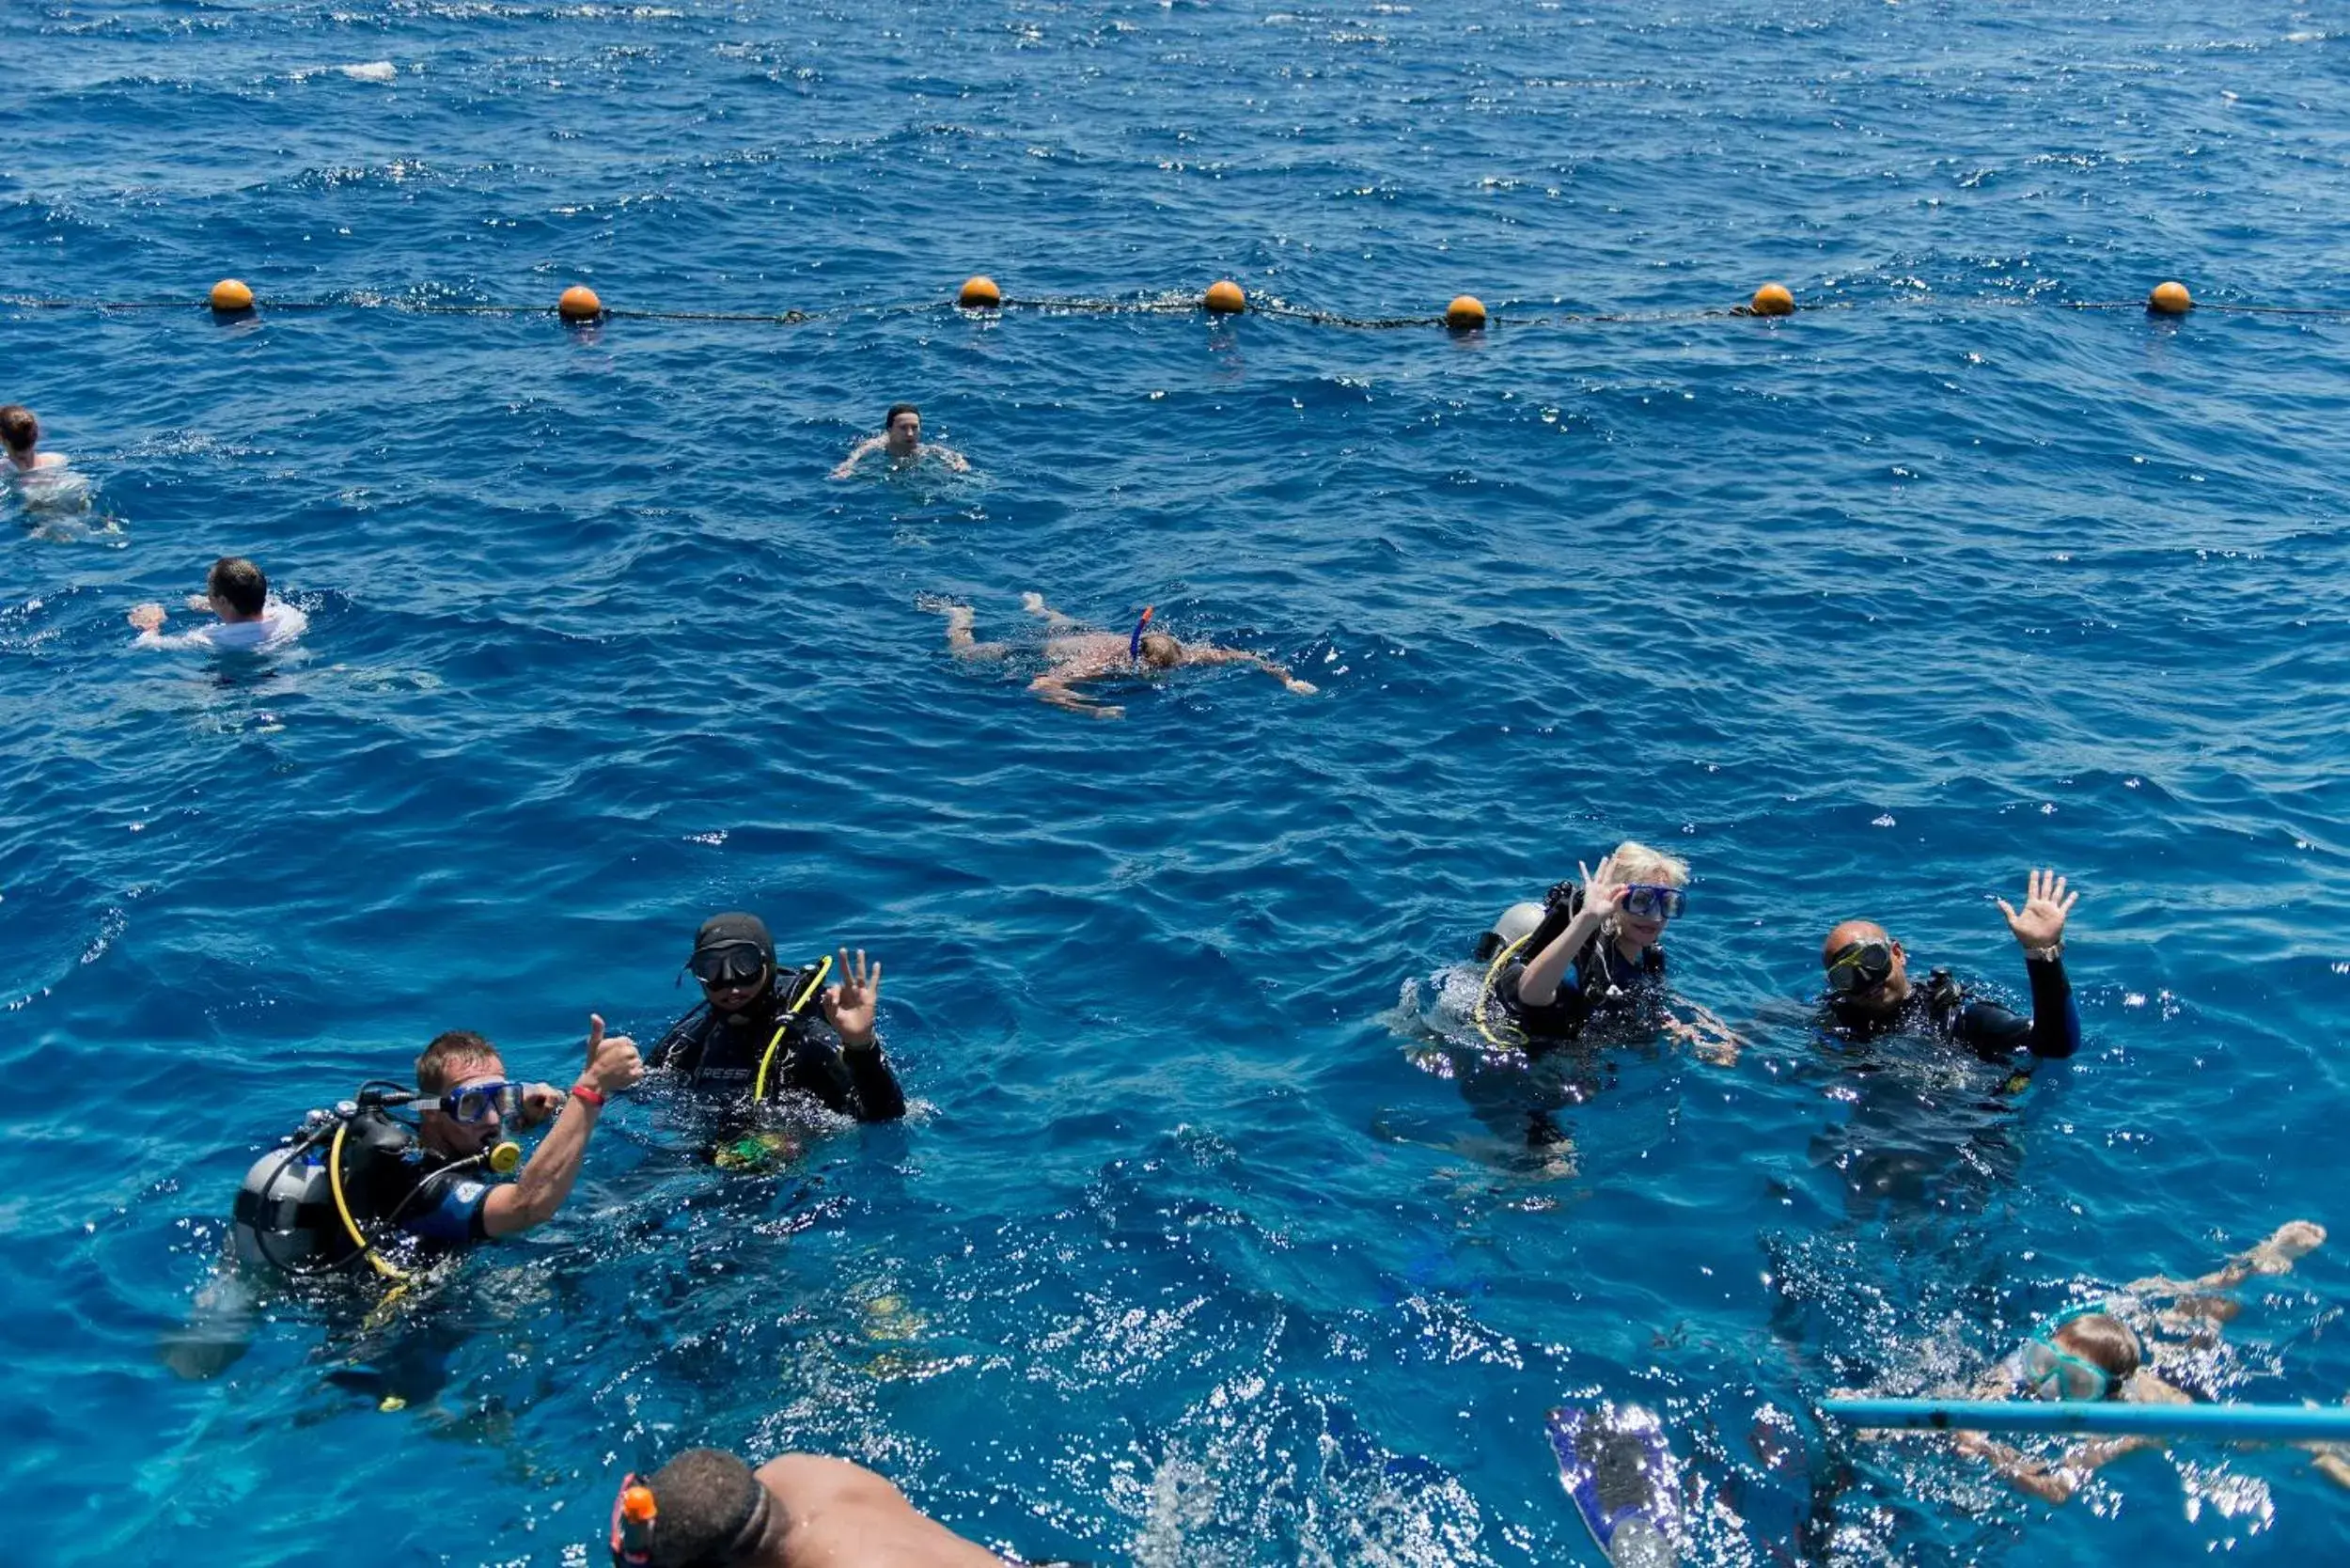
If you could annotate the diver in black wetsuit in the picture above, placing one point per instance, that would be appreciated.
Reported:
(1870, 993)
(753, 1038)
(1597, 956)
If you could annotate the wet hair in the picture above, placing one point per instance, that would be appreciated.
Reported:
(437, 1068)
(2107, 1341)
(240, 582)
(708, 1510)
(895, 409)
(1160, 651)
(19, 428)
(1637, 862)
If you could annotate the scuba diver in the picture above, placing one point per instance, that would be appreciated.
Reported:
(1587, 962)
(1870, 993)
(307, 1208)
(1591, 954)
(357, 1183)
(752, 1041)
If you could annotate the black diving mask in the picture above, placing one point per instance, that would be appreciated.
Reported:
(737, 964)
(1860, 966)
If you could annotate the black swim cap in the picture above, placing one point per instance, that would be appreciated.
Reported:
(734, 930)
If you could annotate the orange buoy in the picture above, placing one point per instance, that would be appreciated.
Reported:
(231, 296)
(2169, 299)
(1225, 298)
(1465, 314)
(579, 304)
(980, 293)
(1772, 299)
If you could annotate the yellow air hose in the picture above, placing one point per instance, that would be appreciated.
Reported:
(758, 1085)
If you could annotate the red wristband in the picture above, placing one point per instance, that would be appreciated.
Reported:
(593, 1096)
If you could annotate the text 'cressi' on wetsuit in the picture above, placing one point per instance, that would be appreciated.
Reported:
(1992, 1032)
(1601, 984)
(717, 1055)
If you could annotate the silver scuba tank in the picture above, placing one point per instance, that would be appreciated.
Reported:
(285, 1211)
(1516, 924)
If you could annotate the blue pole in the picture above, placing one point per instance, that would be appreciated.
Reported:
(2250, 1424)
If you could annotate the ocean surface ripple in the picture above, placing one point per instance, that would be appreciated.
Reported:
(1190, 1253)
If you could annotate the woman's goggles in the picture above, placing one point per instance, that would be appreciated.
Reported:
(1650, 900)
(474, 1104)
(739, 963)
(1862, 967)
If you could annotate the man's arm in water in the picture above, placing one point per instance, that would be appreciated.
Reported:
(1210, 655)
(948, 456)
(858, 454)
(533, 1199)
(850, 1008)
(2284, 1247)
(2056, 1481)
(2039, 929)
(1058, 687)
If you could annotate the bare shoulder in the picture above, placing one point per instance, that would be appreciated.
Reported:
(2144, 1387)
(807, 1483)
(840, 1514)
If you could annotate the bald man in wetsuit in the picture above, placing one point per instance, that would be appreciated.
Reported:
(1869, 992)
(708, 1508)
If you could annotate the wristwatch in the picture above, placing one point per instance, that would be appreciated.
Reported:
(2048, 954)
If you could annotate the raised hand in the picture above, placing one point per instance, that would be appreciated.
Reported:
(2041, 922)
(613, 1063)
(1600, 890)
(849, 1007)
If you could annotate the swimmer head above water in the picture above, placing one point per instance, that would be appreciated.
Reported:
(901, 430)
(19, 435)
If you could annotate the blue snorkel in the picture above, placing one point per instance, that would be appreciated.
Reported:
(1134, 644)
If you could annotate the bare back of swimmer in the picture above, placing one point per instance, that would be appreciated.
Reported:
(1074, 657)
(708, 1507)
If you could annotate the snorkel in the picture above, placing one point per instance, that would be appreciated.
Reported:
(1134, 644)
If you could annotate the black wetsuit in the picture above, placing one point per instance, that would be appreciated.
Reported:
(1944, 1009)
(718, 1055)
(1601, 986)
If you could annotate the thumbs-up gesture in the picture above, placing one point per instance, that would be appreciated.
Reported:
(613, 1063)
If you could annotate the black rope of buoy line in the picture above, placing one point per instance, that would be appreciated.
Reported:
(231, 299)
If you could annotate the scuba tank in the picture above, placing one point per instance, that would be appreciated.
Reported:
(1514, 925)
(285, 1214)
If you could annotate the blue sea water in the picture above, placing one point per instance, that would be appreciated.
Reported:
(1186, 1255)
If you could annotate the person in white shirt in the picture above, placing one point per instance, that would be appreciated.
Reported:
(250, 621)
